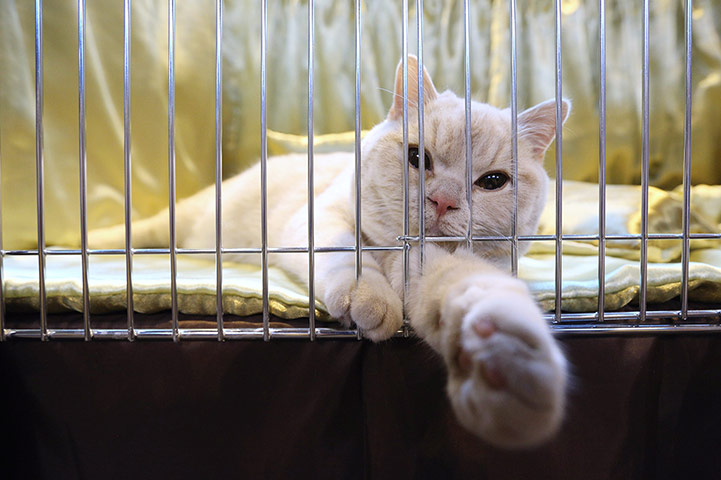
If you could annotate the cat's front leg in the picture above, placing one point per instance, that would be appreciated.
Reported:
(506, 374)
(370, 302)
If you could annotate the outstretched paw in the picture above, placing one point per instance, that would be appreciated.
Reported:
(370, 303)
(507, 376)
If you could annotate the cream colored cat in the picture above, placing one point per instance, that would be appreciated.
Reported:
(506, 374)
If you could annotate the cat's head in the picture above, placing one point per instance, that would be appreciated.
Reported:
(446, 205)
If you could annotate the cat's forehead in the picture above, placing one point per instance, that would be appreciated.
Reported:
(447, 118)
(445, 129)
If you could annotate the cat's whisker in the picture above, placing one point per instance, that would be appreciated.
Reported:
(411, 103)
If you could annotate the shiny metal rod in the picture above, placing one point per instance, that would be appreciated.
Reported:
(358, 225)
(219, 168)
(584, 327)
(40, 168)
(83, 160)
(685, 251)
(311, 191)
(127, 171)
(558, 279)
(421, 135)
(171, 169)
(514, 137)
(406, 173)
(644, 165)
(602, 166)
(467, 102)
(264, 166)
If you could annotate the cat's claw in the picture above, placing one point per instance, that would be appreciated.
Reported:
(370, 303)
(507, 376)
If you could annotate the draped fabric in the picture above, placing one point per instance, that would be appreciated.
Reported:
(334, 115)
(334, 102)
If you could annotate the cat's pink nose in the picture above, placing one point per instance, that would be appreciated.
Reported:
(443, 204)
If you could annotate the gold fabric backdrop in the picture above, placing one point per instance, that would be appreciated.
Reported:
(334, 91)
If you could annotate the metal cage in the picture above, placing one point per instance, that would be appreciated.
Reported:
(644, 320)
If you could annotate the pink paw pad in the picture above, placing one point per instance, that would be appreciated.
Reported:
(484, 328)
(493, 377)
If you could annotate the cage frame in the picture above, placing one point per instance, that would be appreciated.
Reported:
(601, 322)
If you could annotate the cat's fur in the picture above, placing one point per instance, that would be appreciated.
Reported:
(506, 374)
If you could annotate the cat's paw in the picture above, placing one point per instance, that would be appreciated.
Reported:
(507, 375)
(371, 303)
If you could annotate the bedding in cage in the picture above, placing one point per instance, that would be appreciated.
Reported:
(334, 113)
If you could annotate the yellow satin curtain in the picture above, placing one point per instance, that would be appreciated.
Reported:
(334, 102)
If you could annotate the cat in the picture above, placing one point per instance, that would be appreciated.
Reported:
(506, 374)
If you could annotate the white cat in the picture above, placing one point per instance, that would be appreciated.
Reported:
(506, 374)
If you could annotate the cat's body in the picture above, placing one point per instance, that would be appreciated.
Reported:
(507, 376)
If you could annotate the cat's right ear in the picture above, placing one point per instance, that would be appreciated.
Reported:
(537, 125)
(429, 90)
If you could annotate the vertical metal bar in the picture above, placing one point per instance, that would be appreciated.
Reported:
(127, 171)
(171, 169)
(602, 167)
(406, 186)
(644, 166)
(219, 168)
(358, 227)
(467, 98)
(559, 167)
(39, 167)
(83, 169)
(311, 195)
(685, 252)
(421, 131)
(514, 138)
(264, 167)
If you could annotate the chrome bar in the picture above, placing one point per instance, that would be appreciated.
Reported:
(264, 166)
(171, 169)
(219, 168)
(421, 134)
(635, 316)
(358, 226)
(406, 173)
(83, 169)
(411, 238)
(208, 251)
(685, 251)
(559, 329)
(187, 333)
(514, 138)
(573, 237)
(40, 168)
(127, 171)
(467, 98)
(311, 190)
(558, 280)
(602, 167)
(634, 329)
(644, 165)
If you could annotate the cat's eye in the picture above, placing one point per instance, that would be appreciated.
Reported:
(414, 158)
(492, 181)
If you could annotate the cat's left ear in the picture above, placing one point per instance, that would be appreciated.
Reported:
(429, 90)
(537, 125)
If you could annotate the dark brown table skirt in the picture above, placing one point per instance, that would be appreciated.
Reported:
(640, 407)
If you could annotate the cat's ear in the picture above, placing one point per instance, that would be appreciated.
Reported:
(537, 125)
(429, 91)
